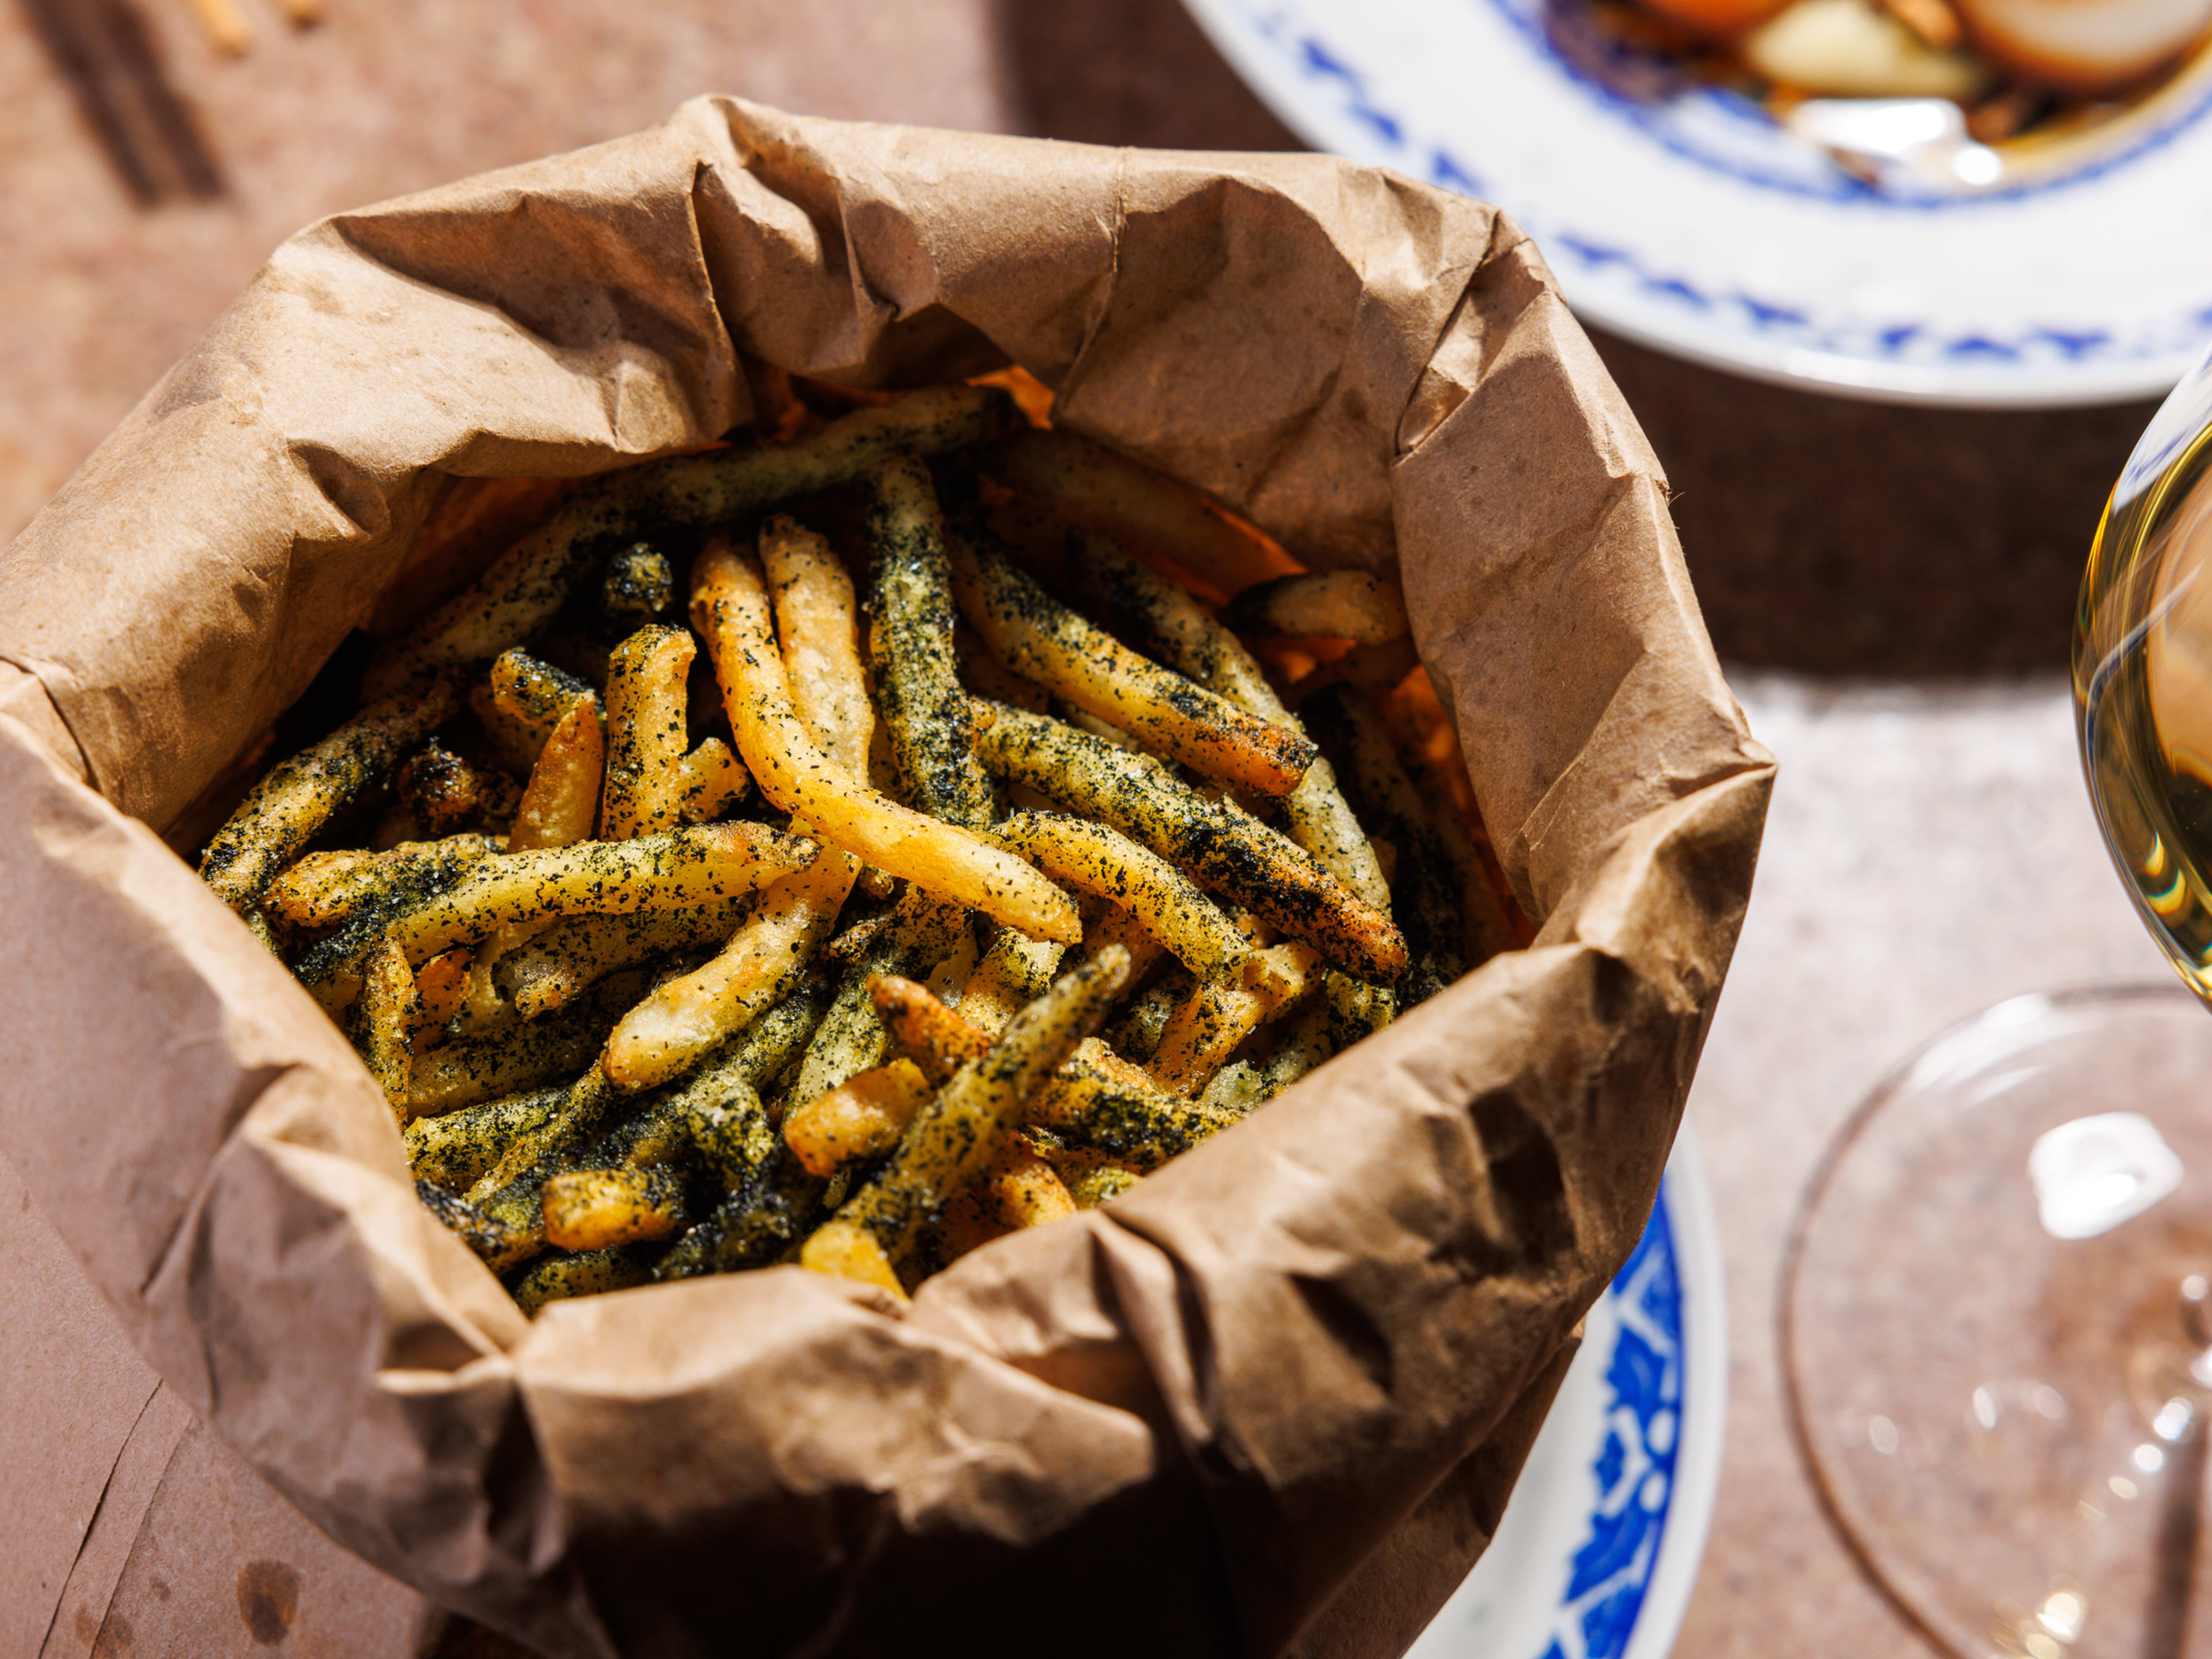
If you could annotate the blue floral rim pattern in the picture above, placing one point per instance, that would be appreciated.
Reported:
(1391, 139)
(1635, 1469)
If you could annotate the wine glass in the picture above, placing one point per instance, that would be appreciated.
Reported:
(2020, 1460)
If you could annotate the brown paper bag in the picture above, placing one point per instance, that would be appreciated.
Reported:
(1179, 1424)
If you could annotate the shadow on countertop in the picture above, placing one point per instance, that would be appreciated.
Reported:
(1826, 535)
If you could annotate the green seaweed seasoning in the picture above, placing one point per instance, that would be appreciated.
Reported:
(639, 587)
(924, 709)
(1427, 893)
(455, 1149)
(852, 1039)
(716, 1115)
(587, 1273)
(522, 1056)
(330, 968)
(775, 1208)
(499, 1242)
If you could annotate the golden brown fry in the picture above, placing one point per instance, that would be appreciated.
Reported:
(529, 582)
(1111, 492)
(862, 1117)
(1131, 1119)
(937, 1039)
(389, 1007)
(1218, 1015)
(597, 1209)
(1102, 1184)
(533, 693)
(816, 620)
(594, 1272)
(558, 964)
(1022, 1190)
(324, 889)
(684, 866)
(1224, 849)
(955, 1136)
(1100, 860)
(844, 1250)
(925, 711)
(639, 587)
(286, 809)
(987, 676)
(1013, 973)
(561, 802)
(1041, 640)
(730, 609)
(851, 1038)
(710, 781)
(1340, 605)
(454, 1148)
(439, 790)
(647, 710)
(439, 982)
(521, 1056)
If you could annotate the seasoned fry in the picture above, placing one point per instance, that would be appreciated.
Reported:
(439, 790)
(521, 1056)
(647, 708)
(1343, 605)
(682, 867)
(937, 1039)
(1220, 1014)
(1041, 640)
(730, 609)
(1224, 850)
(1356, 1010)
(325, 888)
(718, 1111)
(956, 1135)
(710, 781)
(1111, 492)
(286, 809)
(1012, 972)
(502, 1244)
(1020, 1189)
(845, 1250)
(440, 982)
(1137, 1033)
(852, 1039)
(556, 966)
(1134, 1122)
(535, 694)
(591, 1273)
(561, 802)
(390, 1006)
(862, 1117)
(455, 1149)
(1242, 1085)
(1103, 1184)
(639, 587)
(910, 648)
(332, 969)
(596, 1209)
(1101, 860)
(531, 581)
(817, 627)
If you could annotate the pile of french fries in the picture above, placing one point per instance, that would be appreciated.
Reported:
(859, 922)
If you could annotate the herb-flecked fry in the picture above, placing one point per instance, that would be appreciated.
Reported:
(862, 1117)
(1224, 850)
(455, 1149)
(1134, 1123)
(529, 583)
(852, 1038)
(535, 693)
(593, 1272)
(286, 810)
(955, 1136)
(561, 802)
(1171, 623)
(647, 707)
(439, 982)
(1100, 860)
(502, 1244)
(1012, 972)
(390, 1006)
(1022, 1189)
(1218, 1015)
(1103, 1184)
(692, 866)
(710, 781)
(937, 1039)
(597, 1209)
(846, 1251)
(1109, 492)
(439, 790)
(1344, 605)
(730, 609)
(638, 588)
(324, 889)
(556, 966)
(717, 1111)
(1244, 1084)
(1041, 640)
(520, 1056)
(911, 647)
(817, 627)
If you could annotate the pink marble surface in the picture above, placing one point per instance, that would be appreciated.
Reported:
(1931, 849)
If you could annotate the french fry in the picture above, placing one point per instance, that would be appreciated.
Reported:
(1111, 492)
(1223, 849)
(845, 1250)
(596, 1209)
(594, 1272)
(1012, 972)
(439, 790)
(956, 1135)
(1137, 1032)
(1135, 1123)
(852, 1038)
(439, 983)
(561, 802)
(1020, 1189)
(1243, 1086)
(500, 1244)
(710, 781)
(534, 694)
(1100, 860)
(558, 964)
(390, 1006)
(681, 867)
(1340, 605)
(455, 1149)
(521, 1056)
(937, 1039)
(862, 1117)
(325, 888)
(1220, 1014)
(511, 1191)
(638, 589)
(528, 584)
(286, 809)
(911, 647)
(647, 710)
(730, 609)
(1103, 1184)
(1041, 640)
(1356, 1010)
(718, 1111)
(816, 626)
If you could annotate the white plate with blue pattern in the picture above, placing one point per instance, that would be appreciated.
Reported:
(1680, 215)
(1599, 1548)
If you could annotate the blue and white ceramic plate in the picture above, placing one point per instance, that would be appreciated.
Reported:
(1600, 1545)
(1682, 216)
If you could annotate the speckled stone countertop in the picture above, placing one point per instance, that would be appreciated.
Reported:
(1895, 587)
